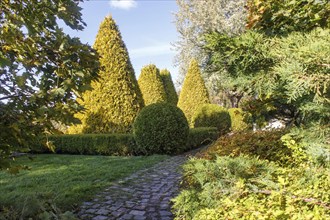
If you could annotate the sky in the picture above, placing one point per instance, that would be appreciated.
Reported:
(147, 28)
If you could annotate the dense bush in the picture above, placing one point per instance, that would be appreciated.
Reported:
(194, 92)
(201, 136)
(160, 128)
(239, 119)
(90, 144)
(264, 144)
(212, 115)
(249, 188)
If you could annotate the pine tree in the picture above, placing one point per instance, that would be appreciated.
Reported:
(171, 95)
(194, 92)
(151, 85)
(116, 99)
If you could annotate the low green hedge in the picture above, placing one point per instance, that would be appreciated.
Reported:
(201, 136)
(114, 144)
(90, 144)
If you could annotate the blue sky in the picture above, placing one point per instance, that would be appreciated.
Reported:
(147, 28)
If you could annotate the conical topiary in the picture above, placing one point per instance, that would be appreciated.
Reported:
(171, 95)
(151, 85)
(115, 100)
(194, 92)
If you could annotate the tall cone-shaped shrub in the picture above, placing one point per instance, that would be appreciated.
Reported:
(151, 85)
(115, 99)
(194, 92)
(171, 95)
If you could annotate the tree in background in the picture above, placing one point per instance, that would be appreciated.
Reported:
(151, 85)
(194, 92)
(116, 99)
(42, 70)
(235, 60)
(195, 18)
(171, 95)
(283, 65)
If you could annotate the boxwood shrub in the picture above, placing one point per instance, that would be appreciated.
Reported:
(160, 128)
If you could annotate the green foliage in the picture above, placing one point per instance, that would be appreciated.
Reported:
(283, 17)
(301, 75)
(212, 115)
(160, 128)
(116, 99)
(193, 93)
(290, 74)
(310, 145)
(266, 145)
(151, 85)
(240, 120)
(58, 184)
(171, 95)
(90, 144)
(42, 70)
(201, 136)
(249, 188)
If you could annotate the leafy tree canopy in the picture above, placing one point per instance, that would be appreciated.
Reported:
(194, 18)
(42, 70)
(283, 17)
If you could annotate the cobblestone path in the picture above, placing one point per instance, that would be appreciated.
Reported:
(144, 195)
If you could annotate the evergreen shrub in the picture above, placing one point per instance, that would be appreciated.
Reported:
(266, 145)
(151, 85)
(171, 95)
(239, 119)
(90, 144)
(246, 187)
(212, 115)
(201, 136)
(160, 128)
(193, 93)
(115, 99)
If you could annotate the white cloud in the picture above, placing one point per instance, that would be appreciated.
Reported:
(123, 4)
(161, 49)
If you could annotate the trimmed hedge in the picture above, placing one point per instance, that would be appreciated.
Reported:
(212, 115)
(115, 144)
(201, 136)
(90, 144)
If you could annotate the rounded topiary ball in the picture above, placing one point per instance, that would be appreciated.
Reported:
(239, 119)
(160, 128)
(212, 115)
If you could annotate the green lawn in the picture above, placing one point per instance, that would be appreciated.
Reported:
(64, 180)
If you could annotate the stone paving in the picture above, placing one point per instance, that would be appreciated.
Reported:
(146, 194)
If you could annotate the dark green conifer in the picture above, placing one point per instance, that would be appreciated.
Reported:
(151, 85)
(171, 95)
(116, 99)
(194, 92)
